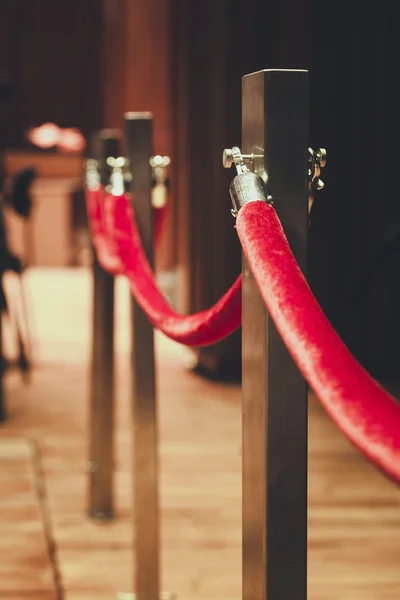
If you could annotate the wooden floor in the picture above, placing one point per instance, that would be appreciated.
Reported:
(49, 549)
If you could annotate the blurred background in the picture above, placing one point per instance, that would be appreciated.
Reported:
(81, 64)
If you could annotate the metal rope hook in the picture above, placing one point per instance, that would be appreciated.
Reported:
(247, 186)
(317, 158)
(119, 176)
(317, 161)
(160, 180)
(92, 174)
(234, 156)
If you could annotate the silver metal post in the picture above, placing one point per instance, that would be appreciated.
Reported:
(275, 125)
(138, 135)
(101, 432)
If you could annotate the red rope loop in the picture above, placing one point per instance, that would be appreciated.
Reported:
(105, 251)
(116, 238)
(103, 247)
(361, 408)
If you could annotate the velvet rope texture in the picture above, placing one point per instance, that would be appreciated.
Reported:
(200, 329)
(103, 247)
(360, 407)
(105, 251)
(160, 216)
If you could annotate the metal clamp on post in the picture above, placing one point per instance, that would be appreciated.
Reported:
(92, 173)
(247, 186)
(160, 180)
(100, 465)
(317, 161)
(120, 175)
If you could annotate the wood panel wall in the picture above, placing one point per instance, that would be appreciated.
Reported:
(138, 78)
(83, 64)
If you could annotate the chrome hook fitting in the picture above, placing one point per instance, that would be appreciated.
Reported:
(93, 179)
(247, 186)
(120, 174)
(160, 179)
(160, 162)
(234, 156)
(317, 160)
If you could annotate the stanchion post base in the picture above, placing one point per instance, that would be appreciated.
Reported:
(98, 515)
(131, 596)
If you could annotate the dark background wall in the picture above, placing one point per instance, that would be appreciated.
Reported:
(351, 52)
(214, 45)
(82, 63)
(354, 102)
(52, 52)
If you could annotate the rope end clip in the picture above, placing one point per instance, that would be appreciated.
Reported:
(317, 161)
(92, 174)
(120, 175)
(160, 180)
(247, 186)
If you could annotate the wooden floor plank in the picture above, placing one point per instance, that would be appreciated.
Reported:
(25, 566)
(354, 513)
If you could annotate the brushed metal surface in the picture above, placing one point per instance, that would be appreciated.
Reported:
(101, 443)
(138, 136)
(275, 124)
(247, 187)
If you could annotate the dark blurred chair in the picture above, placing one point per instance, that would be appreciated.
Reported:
(14, 195)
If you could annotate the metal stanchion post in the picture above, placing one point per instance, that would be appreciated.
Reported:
(275, 132)
(101, 444)
(138, 136)
(146, 172)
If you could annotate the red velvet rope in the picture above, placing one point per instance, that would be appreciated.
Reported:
(105, 251)
(362, 409)
(200, 329)
(160, 216)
